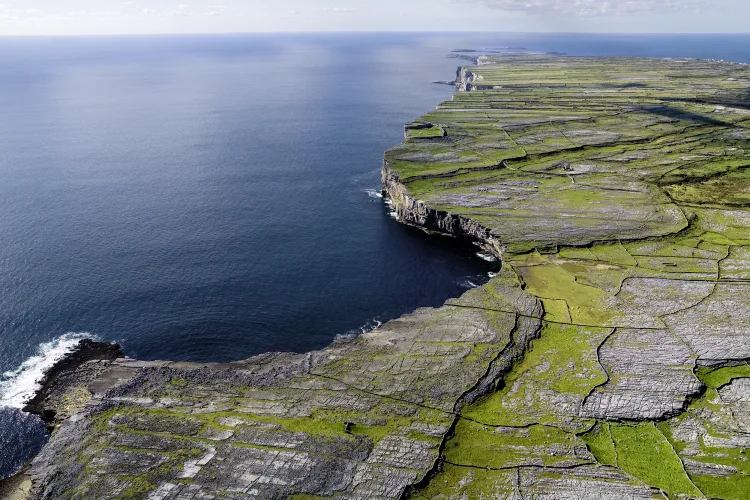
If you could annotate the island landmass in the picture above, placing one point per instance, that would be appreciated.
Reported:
(608, 358)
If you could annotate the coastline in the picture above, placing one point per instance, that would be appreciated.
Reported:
(413, 212)
(92, 368)
(55, 400)
(339, 401)
(17, 486)
(62, 391)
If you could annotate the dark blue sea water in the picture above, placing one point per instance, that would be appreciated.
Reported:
(209, 198)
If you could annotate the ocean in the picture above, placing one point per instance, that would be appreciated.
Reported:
(209, 198)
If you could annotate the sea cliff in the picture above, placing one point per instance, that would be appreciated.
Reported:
(607, 359)
(416, 213)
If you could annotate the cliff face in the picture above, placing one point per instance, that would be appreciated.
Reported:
(417, 213)
(603, 208)
(466, 80)
(608, 358)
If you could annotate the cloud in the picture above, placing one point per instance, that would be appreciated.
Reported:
(333, 10)
(339, 10)
(592, 8)
(7, 14)
(216, 10)
(185, 10)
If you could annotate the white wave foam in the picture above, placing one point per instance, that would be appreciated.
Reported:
(374, 193)
(492, 275)
(18, 386)
(391, 211)
(371, 325)
(467, 283)
(487, 256)
(346, 336)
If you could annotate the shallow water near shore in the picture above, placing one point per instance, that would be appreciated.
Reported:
(209, 198)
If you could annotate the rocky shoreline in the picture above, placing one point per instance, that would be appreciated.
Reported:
(416, 213)
(56, 400)
(63, 391)
(607, 359)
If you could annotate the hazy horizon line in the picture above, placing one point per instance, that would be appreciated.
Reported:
(351, 32)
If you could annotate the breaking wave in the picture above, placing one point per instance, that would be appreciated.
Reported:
(374, 193)
(469, 283)
(371, 325)
(487, 256)
(18, 386)
(391, 210)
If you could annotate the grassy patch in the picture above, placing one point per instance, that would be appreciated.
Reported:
(734, 487)
(422, 133)
(469, 483)
(717, 377)
(561, 365)
(645, 453)
(482, 446)
(600, 443)
(587, 304)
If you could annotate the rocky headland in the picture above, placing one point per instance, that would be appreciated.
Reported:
(607, 359)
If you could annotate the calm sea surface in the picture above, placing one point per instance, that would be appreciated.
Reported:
(208, 198)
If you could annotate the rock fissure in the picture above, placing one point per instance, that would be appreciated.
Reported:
(551, 321)
(682, 463)
(603, 368)
(524, 466)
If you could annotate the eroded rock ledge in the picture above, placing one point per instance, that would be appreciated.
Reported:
(608, 359)
(65, 386)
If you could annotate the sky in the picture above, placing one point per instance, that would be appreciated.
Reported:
(89, 17)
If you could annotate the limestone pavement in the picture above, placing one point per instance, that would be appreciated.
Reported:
(607, 359)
